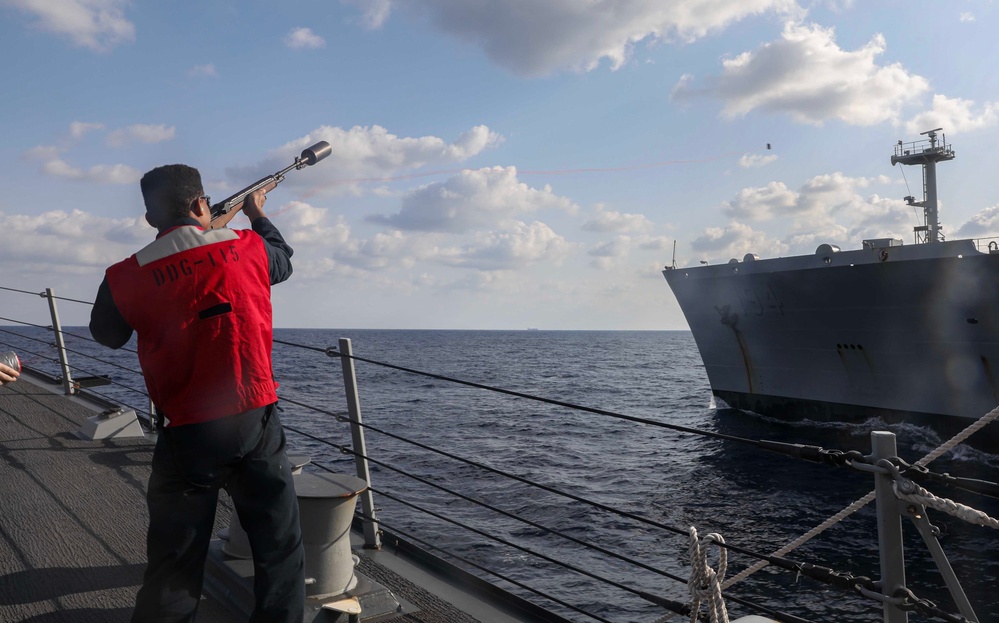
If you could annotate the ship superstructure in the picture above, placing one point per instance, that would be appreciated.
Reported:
(905, 332)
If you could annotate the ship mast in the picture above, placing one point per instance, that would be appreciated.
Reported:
(928, 156)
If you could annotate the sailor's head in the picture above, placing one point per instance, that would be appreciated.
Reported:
(170, 192)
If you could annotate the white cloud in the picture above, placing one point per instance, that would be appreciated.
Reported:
(967, 17)
(806, 75)
(391, 249)
(373, 149)
(761, 204)
(877, 217)
(78, 129)
(43, 152)
(827, 209)
(207, 69)
(473, 199)
(736, 240)
(310, 230)
(375, 12)
(519, 246)
(821, 200)
(838, 6)
(53, 162)
(610, 253)
(983, 224)
(756, 160)
(101, 174)
(655, 243)
(502, 244)
(611, 220)
(304, 38)
(541, 36)
(62, 240)
(307, 225)
(617, 247)
(96, 24)
(143, 133)
(367, 154)
(954, 115)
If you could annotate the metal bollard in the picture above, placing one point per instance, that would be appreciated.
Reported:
(326, 503)
(237, 544)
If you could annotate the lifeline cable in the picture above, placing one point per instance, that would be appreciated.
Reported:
(45, 295)
(451, 554)
(332, 352)
(808, 452)
(76, 352)
(347, 450)
(63, 331)
(811, 453)
(737, 549)
(500, 511)
(841, 457)
(849, 510)
(103, 396)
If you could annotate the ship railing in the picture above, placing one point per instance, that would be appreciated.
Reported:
(903, 149)
(987, 245)
(46, 353)
(403, 493)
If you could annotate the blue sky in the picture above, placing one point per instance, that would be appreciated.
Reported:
(496, 165)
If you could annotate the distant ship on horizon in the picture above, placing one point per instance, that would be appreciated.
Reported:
(903, 332)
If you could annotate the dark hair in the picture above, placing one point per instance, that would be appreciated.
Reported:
(169, 190)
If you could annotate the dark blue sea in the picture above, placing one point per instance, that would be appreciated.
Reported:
(757, 500)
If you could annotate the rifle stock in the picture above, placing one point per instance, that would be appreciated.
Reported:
(225, 210)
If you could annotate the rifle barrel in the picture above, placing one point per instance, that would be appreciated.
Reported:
(310, 156)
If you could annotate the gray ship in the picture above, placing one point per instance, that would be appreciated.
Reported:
(904, 332)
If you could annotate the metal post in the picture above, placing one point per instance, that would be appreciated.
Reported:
(889, 527)
(67, 380)
(930, 185)
(371, 538)
(917, 513)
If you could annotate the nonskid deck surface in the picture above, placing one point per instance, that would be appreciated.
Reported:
(73, 514)
(73, 519)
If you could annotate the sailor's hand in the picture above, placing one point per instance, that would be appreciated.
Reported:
(253, 206)
(8, 374)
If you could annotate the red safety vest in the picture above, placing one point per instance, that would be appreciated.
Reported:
(200, 303)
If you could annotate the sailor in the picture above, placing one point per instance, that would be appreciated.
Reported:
(199, 301)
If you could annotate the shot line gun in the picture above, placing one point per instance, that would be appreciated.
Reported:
(225, 210)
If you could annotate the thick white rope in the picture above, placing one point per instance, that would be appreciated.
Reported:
(920, 495)
(849, 510)
(801, 540)
(704, 584)
(960, 437)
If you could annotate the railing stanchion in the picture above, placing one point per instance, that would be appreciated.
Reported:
(889, 527)
(371, 538)
(67, 380)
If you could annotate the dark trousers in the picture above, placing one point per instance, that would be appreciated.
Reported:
(244, 454)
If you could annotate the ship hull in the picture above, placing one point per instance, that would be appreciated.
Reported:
(906, 333)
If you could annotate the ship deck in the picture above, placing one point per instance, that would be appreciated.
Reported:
(73, 520)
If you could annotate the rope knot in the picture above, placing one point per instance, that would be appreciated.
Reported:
(705, 583)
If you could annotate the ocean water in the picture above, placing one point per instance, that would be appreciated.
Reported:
(757, 500)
